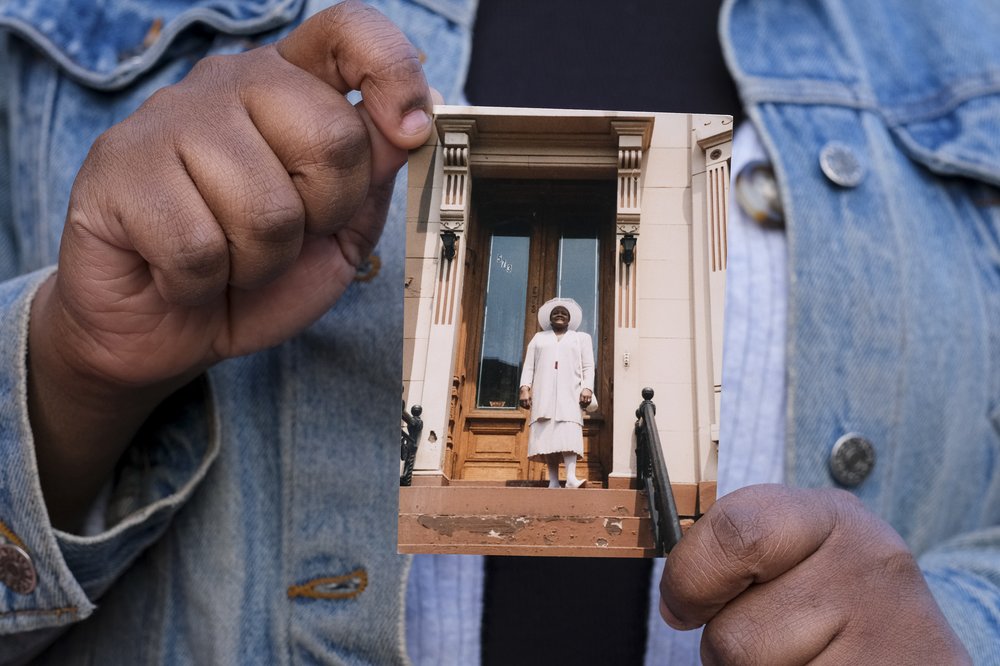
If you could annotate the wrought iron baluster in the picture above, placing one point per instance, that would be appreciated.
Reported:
(652, 473)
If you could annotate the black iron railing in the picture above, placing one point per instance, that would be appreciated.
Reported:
(409, 442)
(652, 469)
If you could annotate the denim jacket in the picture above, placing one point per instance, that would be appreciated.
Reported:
(882, 122)
(253, 519)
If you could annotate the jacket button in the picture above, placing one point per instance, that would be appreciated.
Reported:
(851, 460)
(841, 164)
(757, 195)
(16, 570)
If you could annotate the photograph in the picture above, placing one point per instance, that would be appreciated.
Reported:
(564, 277)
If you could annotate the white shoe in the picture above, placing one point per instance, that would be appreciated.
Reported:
(576, 483)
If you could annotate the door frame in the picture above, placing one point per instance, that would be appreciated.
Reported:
(592, 198)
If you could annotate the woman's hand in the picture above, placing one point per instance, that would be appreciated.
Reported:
(586, 395)
(525, 398)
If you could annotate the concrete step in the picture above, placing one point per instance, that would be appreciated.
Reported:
(525, 521)
(481, 500)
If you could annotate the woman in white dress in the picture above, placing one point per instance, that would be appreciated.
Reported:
(557, 383)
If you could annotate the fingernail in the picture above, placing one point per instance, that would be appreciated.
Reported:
(415, 122)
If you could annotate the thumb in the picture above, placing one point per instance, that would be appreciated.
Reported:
(351, 46)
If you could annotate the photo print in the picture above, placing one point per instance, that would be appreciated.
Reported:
(565, 275)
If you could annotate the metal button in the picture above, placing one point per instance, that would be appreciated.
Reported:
(841, 164)
(16, 570)
(757, 194)
(851, 460)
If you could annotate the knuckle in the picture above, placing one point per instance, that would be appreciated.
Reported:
(277, 223)
(387, 53)
(105, 145)
(348, 14)
(108, 151)
(730, 643)
(743, 533)
(211, 67)
(897, 562)
(198, 254)
(346, 143)
(395, 58)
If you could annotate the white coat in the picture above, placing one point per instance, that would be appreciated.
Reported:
(557, 370)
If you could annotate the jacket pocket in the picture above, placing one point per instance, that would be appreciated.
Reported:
(959, 136)
(109, 45)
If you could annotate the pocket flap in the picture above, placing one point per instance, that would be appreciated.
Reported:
(107, 45)
(962, 141)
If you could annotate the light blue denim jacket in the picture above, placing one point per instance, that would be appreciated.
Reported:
(274, 478)
(254, 520)
(893, 283)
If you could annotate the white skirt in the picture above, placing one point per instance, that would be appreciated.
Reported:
(548, 436)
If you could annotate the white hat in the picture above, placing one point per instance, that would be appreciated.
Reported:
(575, 313)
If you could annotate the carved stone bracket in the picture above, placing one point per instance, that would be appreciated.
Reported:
(458, 135)
(633, 138)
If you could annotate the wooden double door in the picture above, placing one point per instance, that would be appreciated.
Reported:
(529, 241)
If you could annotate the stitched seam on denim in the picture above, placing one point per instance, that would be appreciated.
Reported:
(10, 536)
(404, 656)
(756, 116)
(944, 101)
(130, 70)
(309, 590)
(41, 204)
(179, 496)
(286, 444)
(981, 169)
(941, 103)
(58, 612)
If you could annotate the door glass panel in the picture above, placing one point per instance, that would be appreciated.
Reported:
(503, 320)
(578, 278)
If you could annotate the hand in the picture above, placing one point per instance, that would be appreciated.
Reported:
(224, 216)
(586, 395)
(524, 399)
(785, 576)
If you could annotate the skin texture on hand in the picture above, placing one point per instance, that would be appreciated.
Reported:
(790, 576)
(223, 217)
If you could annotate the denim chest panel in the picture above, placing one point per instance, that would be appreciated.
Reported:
(287, 551)
(894, 285)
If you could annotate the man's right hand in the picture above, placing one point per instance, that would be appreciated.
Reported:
(524, 399)
(224, 216)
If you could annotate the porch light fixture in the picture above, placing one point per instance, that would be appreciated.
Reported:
(628, 249)
(448, 238)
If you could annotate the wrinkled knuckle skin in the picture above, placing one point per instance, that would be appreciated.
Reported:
(343, 143)
(277, 224)
(724, 643)
(898, 563)
(395, 59)
(198, 256)
(345, 15)
(742, 533)
(211, 68)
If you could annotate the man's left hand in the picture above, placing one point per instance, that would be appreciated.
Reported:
(790, 576)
